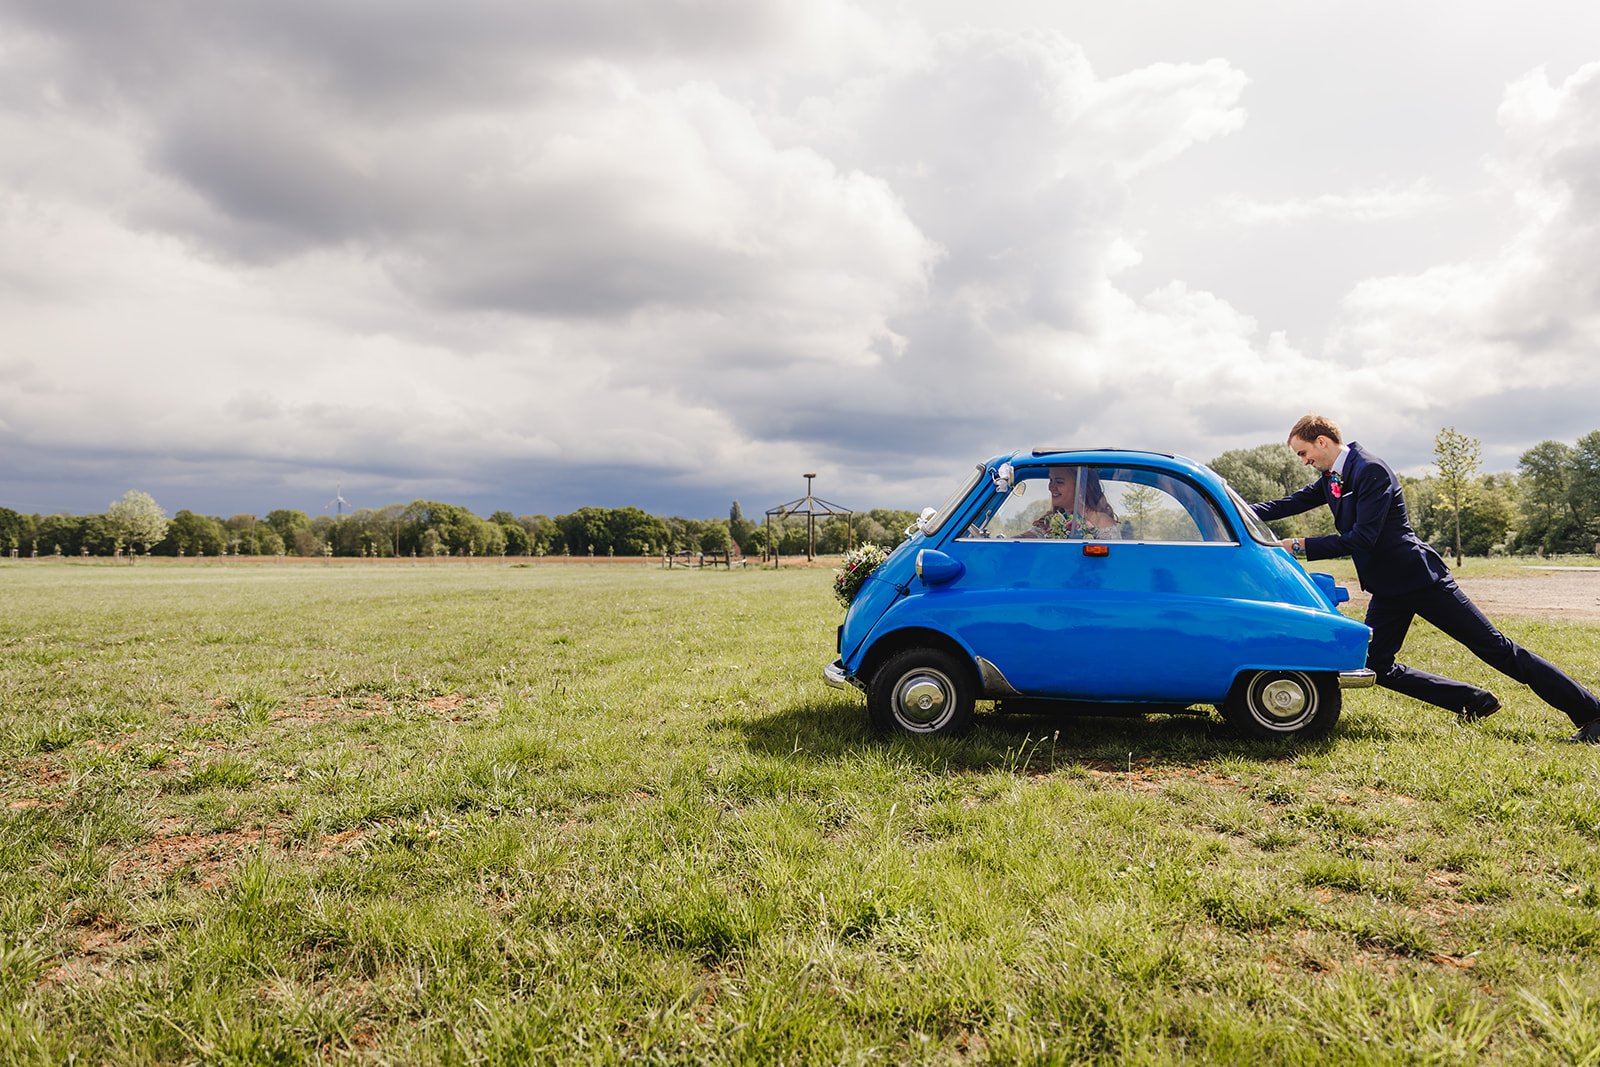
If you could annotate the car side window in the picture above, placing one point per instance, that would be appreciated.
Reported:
(1077, 502)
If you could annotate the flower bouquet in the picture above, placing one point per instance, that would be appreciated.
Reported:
(1066, 526)
(855, 566)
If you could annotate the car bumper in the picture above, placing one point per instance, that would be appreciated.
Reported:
(834, 674)
(1357, 679)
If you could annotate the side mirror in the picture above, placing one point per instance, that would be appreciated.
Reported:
(936, 568)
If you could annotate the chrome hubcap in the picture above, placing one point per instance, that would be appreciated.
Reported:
(1284, 697)
(921, 697)
(1284, 703)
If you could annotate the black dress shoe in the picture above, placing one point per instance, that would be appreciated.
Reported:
(1480, 705)
(1588, 734)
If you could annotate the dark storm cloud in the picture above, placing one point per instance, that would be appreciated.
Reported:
(387, 55)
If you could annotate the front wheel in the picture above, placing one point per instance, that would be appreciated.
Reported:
(922, 691)
(1268, 705)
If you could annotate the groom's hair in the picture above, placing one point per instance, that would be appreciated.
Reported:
(1311, 427)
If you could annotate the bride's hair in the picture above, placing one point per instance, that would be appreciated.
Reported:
(1094, 495)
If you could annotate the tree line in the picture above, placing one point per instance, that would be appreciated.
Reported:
(136, 523)
(1549, 505)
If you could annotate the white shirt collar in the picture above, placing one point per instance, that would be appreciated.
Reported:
(1340, 460)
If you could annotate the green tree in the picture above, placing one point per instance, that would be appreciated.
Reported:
(633, 532)
(681, 535)
(1544, 474)
(833, 535)
(586, 530)
(480, 537)
(67, 534)
(1487, 518)
(714, 538)
(137, 520)
(1583, 490)
(792, 538)
(544, 539)
(268, 541)
(869, 531)
(1265, 472)
(431, 528)
(1428, 517)
(1456, 455)
(517, 541)
(289, 524)
(12, 530)
(242, 534)
(892, 521)
(195, 535)
(1139, 504)
(1268, 472)
(740, 528)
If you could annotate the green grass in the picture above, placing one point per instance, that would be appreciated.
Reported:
(592, 814)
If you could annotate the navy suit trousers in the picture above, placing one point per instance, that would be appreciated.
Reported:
(1445, 606)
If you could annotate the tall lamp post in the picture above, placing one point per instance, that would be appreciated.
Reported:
(811, 522)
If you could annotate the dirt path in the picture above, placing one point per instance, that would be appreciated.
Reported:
(1556, 593)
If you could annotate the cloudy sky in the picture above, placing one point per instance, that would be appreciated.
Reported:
(675, 252)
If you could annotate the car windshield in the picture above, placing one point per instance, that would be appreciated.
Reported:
(1081, 502)
(1258, 529)
(937, 520)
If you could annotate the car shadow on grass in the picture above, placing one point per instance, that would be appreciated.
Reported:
(827, 730)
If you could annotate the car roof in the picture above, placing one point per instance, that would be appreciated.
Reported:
(1110, 457)
(1137, 451)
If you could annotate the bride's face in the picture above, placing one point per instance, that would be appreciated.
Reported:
(1063, 487)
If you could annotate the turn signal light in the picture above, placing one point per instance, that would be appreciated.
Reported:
(1097, 550)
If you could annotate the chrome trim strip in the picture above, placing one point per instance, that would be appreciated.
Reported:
(1357, 679)
(994, 683)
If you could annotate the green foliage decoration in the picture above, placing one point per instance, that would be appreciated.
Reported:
(854, 568)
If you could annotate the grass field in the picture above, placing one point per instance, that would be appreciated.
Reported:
(501, 814)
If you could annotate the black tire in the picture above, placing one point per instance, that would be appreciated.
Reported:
(922, 691)
(1272, 705)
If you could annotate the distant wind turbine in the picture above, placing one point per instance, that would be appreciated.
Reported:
(338, 500)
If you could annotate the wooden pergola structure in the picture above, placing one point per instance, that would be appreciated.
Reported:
(812, 507)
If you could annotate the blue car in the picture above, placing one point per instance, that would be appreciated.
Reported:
(1098, 580)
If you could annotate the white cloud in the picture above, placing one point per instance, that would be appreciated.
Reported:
(1365, 205)
(622, 250)
(1471, 336)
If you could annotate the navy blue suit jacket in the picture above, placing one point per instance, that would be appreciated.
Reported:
(1370, 515)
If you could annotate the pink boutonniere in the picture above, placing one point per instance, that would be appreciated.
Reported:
(1335, 484)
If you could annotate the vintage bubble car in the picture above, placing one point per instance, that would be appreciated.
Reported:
(1098, 581)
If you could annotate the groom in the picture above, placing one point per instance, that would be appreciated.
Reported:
(1407, 579)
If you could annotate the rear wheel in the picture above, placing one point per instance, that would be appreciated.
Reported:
(1275, 704)
(922, 691)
